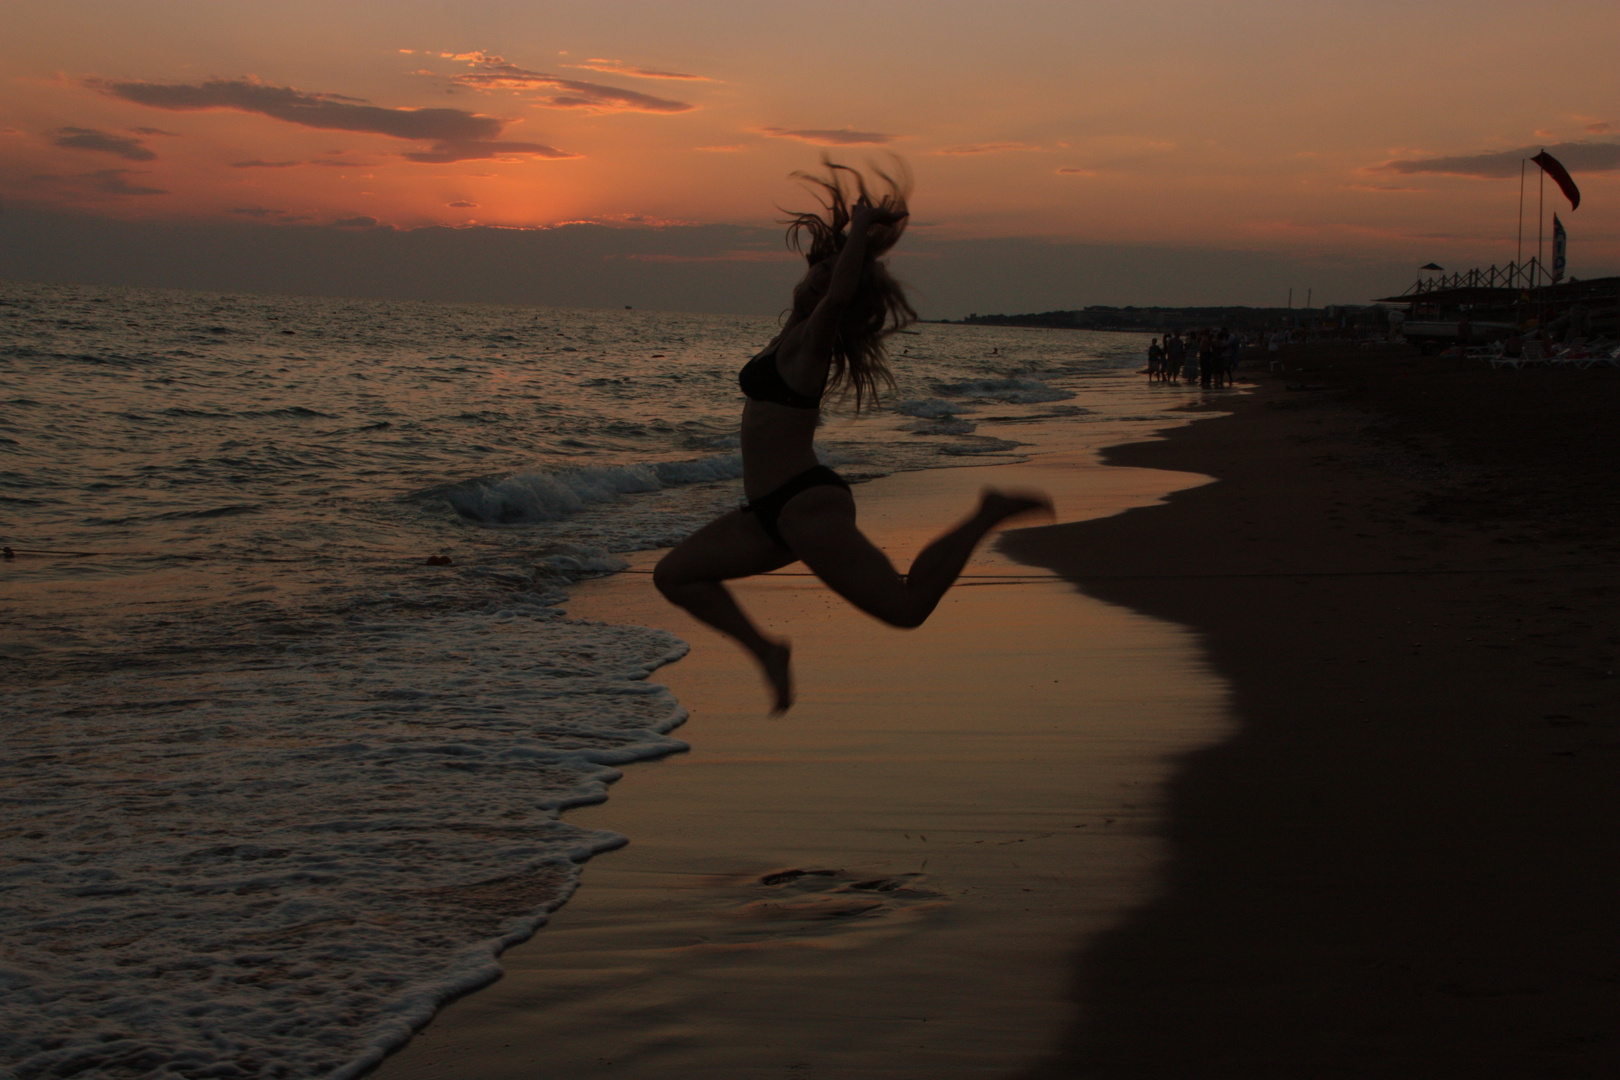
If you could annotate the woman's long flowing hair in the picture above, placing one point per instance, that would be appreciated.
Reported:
(880, 308)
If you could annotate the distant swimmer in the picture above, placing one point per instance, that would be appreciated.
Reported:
(798, 509)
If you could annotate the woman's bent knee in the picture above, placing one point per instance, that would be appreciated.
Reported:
(666, 579)
(902, 615)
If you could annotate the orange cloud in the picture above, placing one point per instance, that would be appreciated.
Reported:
(492, 72)
(830, 137)
(1070, 171)
(616, 67)
(986, 148)
(622, 221)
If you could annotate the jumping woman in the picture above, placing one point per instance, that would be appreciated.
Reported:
(798, 509)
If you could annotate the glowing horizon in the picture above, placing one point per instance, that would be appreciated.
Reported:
(1369, 130)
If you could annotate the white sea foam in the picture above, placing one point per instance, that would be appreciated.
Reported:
(719, 467)
(930, 408)
(538, 495)
(283, 871)
(979, 446)
(570, 562)
(948, 425)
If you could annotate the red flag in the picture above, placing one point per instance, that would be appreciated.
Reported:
(1555, 169)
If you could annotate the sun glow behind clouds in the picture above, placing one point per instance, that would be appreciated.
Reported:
(1257, 123)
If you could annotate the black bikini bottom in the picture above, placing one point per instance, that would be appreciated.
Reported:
(769, 507)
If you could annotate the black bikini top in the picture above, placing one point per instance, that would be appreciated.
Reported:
(760, 381)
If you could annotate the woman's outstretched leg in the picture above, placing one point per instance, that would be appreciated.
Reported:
(691, 576)
(819, 525)
(938, 565)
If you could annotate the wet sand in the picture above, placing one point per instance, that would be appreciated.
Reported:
(1404, 863)
(887, 882)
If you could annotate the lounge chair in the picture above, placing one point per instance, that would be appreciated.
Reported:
(1498, 357)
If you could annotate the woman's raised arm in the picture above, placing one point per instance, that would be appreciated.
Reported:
(822, 326)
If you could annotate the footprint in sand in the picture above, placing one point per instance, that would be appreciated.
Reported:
(813, 895)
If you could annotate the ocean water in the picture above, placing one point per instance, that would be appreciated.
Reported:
(273, 787)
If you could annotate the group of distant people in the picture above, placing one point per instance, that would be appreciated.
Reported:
(1206, 357)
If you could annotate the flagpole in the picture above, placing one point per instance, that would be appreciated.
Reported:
(1519, 253)
(1541, 306)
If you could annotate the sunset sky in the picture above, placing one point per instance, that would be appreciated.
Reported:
(1349, 141)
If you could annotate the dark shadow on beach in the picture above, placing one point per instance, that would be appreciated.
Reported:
(1403, 863)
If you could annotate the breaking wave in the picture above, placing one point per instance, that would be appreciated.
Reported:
(538, 495)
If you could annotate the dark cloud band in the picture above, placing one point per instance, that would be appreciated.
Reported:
(115, 182)
(74, 138)
(457, 135)
(831, 137)
(306, 110)
(1578, 156)
(480, 150)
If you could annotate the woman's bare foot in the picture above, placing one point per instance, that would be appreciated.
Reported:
(778, 664)
(997, 506)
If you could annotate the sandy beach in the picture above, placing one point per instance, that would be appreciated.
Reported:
(1310, 776)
